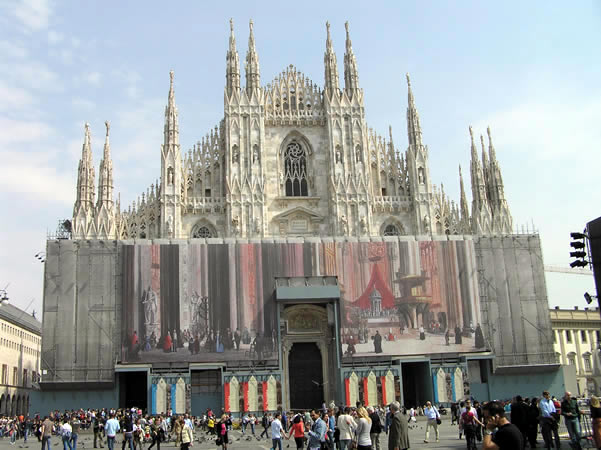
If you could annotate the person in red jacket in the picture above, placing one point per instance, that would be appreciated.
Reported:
(168, 343)
(298, 430)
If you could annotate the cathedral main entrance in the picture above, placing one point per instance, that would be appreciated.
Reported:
(306, 376)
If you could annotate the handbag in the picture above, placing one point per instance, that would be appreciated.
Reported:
(438, 421)
(219, 441)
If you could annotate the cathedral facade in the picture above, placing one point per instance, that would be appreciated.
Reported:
(290, 158)
(292, 256)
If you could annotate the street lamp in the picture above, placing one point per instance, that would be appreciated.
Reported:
(3, 297)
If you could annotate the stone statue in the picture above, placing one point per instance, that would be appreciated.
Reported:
(338, 155)
(256, 154)
(344, 224)
(236, 225)
(170, 226)
(363, 224)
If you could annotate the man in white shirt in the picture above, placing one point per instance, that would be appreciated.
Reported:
(432, 415)
(276, 432)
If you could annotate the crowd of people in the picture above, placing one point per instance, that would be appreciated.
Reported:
(496, 425)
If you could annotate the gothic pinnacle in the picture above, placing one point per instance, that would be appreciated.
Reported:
(232, 36)
(349, 45)
(107, 148)
(491, 147)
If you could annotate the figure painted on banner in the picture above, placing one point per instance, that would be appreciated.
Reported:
(147, 346)
(447, 337)
(191, 345)
(180, 341)
(458, 338)
(257, 345)
(378, 342)
(174, 341)
(390, 335)
(229, 340)
(153, 340)
(422, 333)
(246, 336)
(134, 340)
(149, 300)
(218, 343)
(237, 338)
(479, 337)
(402, 329)
(168, 343)
(350, 349)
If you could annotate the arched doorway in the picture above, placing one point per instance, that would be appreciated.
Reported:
(306, 375)
(2, 405)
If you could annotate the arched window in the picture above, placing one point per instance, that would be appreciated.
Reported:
(391, 230)
(295, 170)
(202, 232)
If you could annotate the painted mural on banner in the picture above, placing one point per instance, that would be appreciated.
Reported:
(215, 302)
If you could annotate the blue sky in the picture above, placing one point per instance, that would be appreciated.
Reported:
(530, 70)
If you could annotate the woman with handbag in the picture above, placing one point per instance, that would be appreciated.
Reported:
(221, 430)
(346, 427)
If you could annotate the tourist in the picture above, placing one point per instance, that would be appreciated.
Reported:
(221, 429)
(46, 433)
(276, 432)
(533, 420)
(298, 431)
(75, 425)
(376, 428)
(519, 416)
(187, 436)
(433, 417)
(265, 425)
(66, 433)
(155, 434)
(317, 435)
(98, 428)
(571, 414)
(111, 428)
(547, 421)
(363, 429)
(596, 419)
(138, 435)
(507, 436)
(398, 438)
(346, 426)
(468, 422)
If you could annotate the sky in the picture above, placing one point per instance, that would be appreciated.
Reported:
(529, 70)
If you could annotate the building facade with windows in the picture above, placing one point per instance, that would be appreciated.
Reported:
(292, 256)
(576, 341)
(20, 346)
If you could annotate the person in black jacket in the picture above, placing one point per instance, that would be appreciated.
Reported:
(519, 416)
(533, 422)
(376, 428)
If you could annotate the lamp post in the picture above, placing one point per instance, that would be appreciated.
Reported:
(3, 297)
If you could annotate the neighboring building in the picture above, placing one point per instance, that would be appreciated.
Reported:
(292, 256)
(576, 341)
(20, 345)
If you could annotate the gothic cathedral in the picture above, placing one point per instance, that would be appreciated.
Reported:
(291, 159)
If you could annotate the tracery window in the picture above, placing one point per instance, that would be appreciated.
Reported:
(295, 170)
(202, 232)
(391, 230)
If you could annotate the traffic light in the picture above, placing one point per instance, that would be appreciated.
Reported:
(579, 252)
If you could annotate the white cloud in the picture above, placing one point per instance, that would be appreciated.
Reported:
(32, 74)
(21, 131)
(54, 37)
(14, 99)
(12, 50)
(33, 14)
(82, 103)
(93, 78)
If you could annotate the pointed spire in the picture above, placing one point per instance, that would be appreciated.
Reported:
(232, 74)
(473, 146)
(351, 74)
(465, 213)
(414, 129)
(330, 65)
(491, 148)
(171, 130)
(105, 178)
(83, 208)
(253, 78)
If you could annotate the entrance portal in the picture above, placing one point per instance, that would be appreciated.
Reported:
(306, 376)
(133, 390)
(417, 388)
